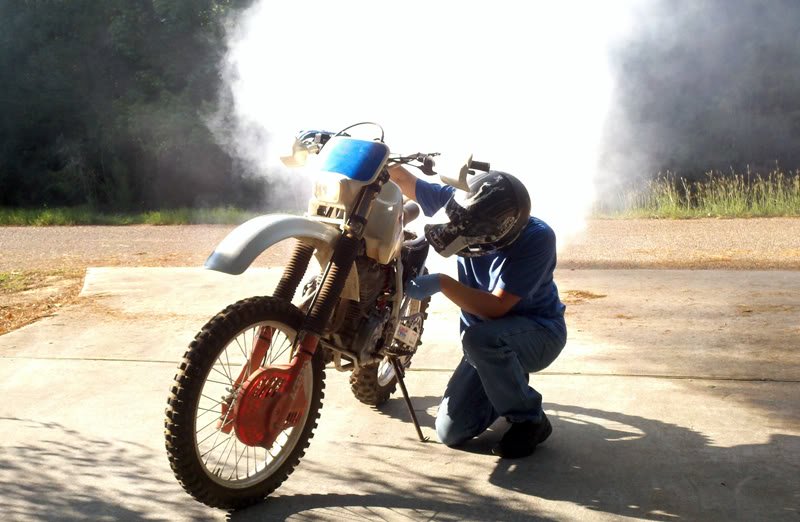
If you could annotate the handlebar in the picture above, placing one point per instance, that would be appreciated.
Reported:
(424, 162)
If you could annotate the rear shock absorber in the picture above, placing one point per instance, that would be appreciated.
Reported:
(294, 271)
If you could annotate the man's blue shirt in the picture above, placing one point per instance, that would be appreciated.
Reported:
(524, 268)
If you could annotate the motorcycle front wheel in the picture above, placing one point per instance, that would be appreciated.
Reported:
(210, 462)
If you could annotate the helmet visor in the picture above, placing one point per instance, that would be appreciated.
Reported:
(445, 239)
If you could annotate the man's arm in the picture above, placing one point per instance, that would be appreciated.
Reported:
(405, 180)
(430, 196)
(478, 302)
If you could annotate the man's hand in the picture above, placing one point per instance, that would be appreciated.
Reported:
(424, 286)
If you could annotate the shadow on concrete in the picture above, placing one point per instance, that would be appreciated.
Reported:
(599, 460)
(638, 467)
(62, 474)
(425, 409)
(381, 497)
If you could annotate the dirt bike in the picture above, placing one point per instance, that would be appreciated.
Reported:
(247, 395)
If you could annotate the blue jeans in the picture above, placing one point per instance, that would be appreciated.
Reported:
(492, 378)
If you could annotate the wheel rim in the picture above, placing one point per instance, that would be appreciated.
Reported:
(225, 459)
(385, 372)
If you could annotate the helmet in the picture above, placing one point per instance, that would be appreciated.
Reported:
(486, 219)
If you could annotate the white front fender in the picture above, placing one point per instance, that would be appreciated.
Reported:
(247, 241)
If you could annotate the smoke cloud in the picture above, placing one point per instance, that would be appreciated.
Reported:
(704, 85)
(525, 86)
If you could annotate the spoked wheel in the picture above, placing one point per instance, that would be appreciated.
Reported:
(375, 383)
(206, 422)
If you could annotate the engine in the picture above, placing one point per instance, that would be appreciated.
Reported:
(361, 326)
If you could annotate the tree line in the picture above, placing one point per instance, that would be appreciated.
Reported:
(104, 104)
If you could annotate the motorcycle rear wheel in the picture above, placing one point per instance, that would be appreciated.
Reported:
(214, 467)
(365, 382)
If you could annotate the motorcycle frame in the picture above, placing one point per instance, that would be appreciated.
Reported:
(329, 240)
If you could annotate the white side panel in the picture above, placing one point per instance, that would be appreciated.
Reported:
(384, 232)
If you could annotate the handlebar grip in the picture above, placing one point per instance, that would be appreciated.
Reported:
(479, 165)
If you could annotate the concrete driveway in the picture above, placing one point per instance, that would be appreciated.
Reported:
(676, 398)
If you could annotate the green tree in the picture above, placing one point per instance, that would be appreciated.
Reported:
(103, 103)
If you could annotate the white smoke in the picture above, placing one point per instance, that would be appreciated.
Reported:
(523, 85)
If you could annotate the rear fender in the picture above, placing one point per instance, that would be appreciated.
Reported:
(247, 241)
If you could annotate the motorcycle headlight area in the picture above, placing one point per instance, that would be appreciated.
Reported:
(329, 188)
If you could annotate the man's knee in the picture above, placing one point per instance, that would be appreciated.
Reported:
(452, 427)
(478, 338)
(449, 433)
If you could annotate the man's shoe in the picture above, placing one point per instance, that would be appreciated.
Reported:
(522, 438)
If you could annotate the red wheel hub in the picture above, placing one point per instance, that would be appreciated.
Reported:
(272, 400)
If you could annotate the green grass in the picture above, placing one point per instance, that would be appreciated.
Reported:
(776, 194)
(68, 216)
(19, 281)
(12, 282)
(732, 196)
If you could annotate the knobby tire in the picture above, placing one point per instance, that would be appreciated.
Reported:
(194, 369)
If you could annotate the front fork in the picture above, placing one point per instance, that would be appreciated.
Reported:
(323, 303)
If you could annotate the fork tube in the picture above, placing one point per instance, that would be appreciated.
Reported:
(338, 269)
(294, 272)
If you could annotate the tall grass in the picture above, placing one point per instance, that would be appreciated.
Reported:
(735, 195)
(68, 216)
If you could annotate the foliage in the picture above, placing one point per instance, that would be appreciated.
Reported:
(718, 195)
(84, 215)
(12, 282)
(102, 104)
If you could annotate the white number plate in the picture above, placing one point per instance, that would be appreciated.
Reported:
(406, 335)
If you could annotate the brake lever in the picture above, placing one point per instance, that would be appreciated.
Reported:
(427, 166)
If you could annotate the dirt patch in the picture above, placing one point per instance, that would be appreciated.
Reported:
(766, 309)
(571, 297)
(738, 244)
(26, 296)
